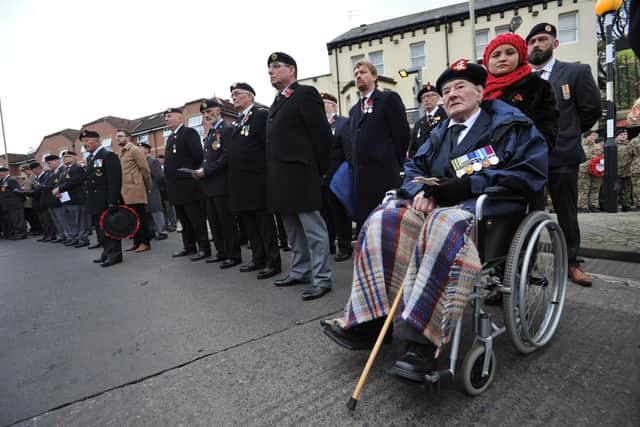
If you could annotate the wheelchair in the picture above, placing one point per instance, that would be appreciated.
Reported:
(524, 257)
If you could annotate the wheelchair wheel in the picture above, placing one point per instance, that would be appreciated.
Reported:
(536, 272)
(471, 379)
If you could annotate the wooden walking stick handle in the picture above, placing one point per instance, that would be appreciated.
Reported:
(351, 404)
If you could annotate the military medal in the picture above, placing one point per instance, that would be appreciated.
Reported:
(173, 149)
(98, 172)
(287, 93)
(4, 188)
(245, 130)
(486, 163)
(67, 176)
(474, 161)
(368, 106)
(566, 92)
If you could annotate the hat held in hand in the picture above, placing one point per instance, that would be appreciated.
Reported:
(119, 223)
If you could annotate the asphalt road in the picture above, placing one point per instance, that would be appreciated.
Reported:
(161, 341)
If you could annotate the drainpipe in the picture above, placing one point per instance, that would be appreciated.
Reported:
(335, 50)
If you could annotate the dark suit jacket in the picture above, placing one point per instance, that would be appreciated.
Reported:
(422, 128)
(36, 192)
(579, 106)
(104, 181)
(11, 195)
(183, 150)
(379, 144)
(216, 160)
(340, 146)
(154, 199)
(51, 181)
(298, 144)
(72, 181)
(247, 165)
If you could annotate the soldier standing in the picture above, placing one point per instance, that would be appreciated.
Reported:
(624, 168)
(635, 170)
(12, 205)
(584, 176)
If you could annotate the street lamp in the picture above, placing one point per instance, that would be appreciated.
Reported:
(417, 82)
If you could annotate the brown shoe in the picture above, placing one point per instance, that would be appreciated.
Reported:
(579, 277)
(143, 248)
(132, 248)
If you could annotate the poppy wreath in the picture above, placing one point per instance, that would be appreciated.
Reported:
(114, 237)
(596, 166)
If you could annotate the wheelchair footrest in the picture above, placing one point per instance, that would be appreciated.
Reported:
(433, 380)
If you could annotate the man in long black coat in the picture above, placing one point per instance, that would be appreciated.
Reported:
(379, 136)
(183, 155)
(298, 143)
(578, 100)
(103, 183)
(213, 177)
(48, 229)
(51, 202)
(247, 182)
(12, 206)
(434, 114)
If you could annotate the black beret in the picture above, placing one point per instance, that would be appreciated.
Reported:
(69, 153)
(619, 131)
(3, 169)
(540, 28)
(328, 97)
(51, 157)
(243, 86)
(89, 134)
(281, 57)
(426, 88)
(144, 144)
(34, 165)
(464, 70)
(209, 103)
(173, 110)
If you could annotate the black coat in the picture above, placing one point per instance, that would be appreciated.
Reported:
(51, 181)
(422, 129)
(183, 150)
(104, 181)
(298, 144)
(72, 181)
(340, 146)
(36, 192)
(216, 160)
(534, 97)
(247, 164)
(11, 195)
(379, 144)
(579, 106)
(154, 199)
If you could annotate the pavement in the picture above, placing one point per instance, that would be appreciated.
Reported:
(160, 341)
(610, 235)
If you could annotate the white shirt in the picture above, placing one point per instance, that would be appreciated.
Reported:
(468, 123)
(246, 110)
(369, 94)
(545, 71)
(432, 112)
(215, 126)
(97, 151)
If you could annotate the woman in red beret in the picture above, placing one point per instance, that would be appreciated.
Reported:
(511, 80)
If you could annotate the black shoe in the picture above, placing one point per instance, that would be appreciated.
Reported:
(71, 243)
(286, 249)
(184, 252)
(214, 259)
(18, 237)
(171, 229)
(584, 210)
(56, 240)
(96, 246)
(283, 244)
(626, 208)
(43, 239)
(230, 263)
(100, 260)
(494, 298)
(251, 267)
(416, 362)
(342, 256)
(290, 281)
(110, 262)
(360, 337)
(161, 236)
(81, 244)
(201, 255)
(268, 272)
(313, 293)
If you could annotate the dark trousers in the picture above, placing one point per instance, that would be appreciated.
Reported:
(111, 249)
(31, 217)
(563, 188)
(17, 226)
(338, 223)
(223, 223)
(261, 229)
(194, 226)
(143, 235)
(48, 228)
(281, 231)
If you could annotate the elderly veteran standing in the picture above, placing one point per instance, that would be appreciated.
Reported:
(213, 177)
(578, 100)
(440, 215)
(136, 186)
(248, 182)
(380, 136)
(70, 192)
(434, 114)
(12, 204)
(54, 207)
(154, 199)
(183, 155)
(298, 144)
(48, 229)
(103, 184)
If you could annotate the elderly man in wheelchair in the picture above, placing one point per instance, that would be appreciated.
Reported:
(485, 161)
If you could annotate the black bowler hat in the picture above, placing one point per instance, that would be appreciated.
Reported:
(209, 103)
(173, 110)
(464, 70)
(328, 97)
(51, 157)
(34, 165)
(119, 223)
(243, 86)
(541, 28)
(86, 133)
(281, 57)
(426, 88)
(144, 144)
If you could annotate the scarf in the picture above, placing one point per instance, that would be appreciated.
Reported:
(496, 86)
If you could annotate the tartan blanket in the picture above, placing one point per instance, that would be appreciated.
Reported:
(432, 255)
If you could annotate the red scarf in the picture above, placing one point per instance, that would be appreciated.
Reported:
(496, 85)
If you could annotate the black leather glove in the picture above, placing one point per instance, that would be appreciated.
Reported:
(450, 191)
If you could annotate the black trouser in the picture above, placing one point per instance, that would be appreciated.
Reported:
(143, 235)
(223, 223)
(563, 187)
(32, 218)
(4, 224)
(338, 223)
(261, 229)
(48, 227)
(111, 249)
(17, 226)
(194, 226)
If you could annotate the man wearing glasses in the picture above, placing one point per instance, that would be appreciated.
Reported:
(434, 114)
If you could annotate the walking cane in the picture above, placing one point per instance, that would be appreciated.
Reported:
(351, 404)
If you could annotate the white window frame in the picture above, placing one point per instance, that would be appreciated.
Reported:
(165, 135)
(106, 143)
(379, 66)
(562, 31)
(423, 56)
(355, 59)
(501, 29)
(195, 122)
(143, 138)
(481, 47)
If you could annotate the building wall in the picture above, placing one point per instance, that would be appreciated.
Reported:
(55, 144)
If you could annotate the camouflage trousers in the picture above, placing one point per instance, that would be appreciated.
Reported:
(625, 195)
(635, 189)
(588, 190)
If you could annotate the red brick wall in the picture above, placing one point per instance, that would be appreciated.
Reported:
(54, 144)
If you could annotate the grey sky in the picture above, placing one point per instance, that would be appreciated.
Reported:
(67, 62)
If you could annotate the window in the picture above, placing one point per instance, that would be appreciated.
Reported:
(482, 40)
(195, 122)
(143, 138)
(417, 54)
(355, 59)
(165, 135)
(568, 27)
(106, 143)
(502, 29)
(376, 59)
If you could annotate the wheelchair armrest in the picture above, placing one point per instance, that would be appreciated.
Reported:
(396, 194)
(502, 193)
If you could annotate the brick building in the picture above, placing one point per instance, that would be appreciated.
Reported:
(16, 161)
(56, 143)
(107, 127)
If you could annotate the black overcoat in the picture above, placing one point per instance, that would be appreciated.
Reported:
(340, 145)
(183, 150)
(104, 181)
(9, 198)
(422, 129)
(216, 160)
(51, 181)
(72, 181)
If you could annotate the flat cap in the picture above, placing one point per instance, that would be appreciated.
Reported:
(541, 28)
(243, 86)
(209, 103)
(464, 70)
(283, 58)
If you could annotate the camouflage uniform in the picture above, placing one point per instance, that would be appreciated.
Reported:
(624, 173)
(634, 145)
(589, 185)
